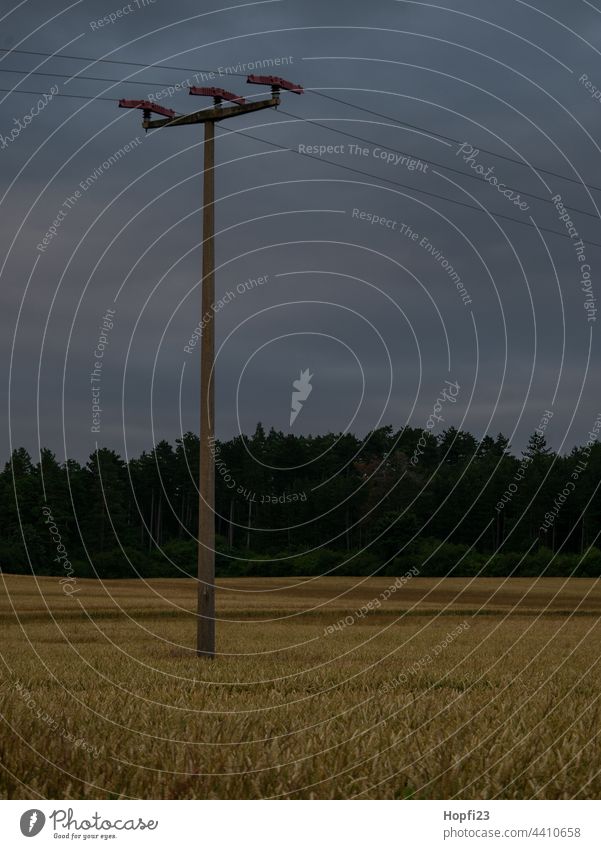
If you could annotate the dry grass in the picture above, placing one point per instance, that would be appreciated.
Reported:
(102, 696)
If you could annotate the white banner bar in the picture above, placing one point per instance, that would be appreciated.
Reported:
(301, 824)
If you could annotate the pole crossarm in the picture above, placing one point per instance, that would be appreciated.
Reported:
(216, 114)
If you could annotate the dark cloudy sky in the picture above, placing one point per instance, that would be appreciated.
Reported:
(370, 312)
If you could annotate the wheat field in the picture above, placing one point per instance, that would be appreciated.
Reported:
(324, 688)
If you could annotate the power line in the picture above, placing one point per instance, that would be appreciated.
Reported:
(431, 162)
(413, 188)
(457, 141)
(42, 93)
(315, 123)
(353, 170)
(71, 77)
(356, 170)
(77, 77)
(144, 65)
(313, 91)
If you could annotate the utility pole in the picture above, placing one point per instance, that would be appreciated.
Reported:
(205, 626)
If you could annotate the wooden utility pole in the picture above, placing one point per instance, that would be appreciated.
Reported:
(205, 627)
(205, 624)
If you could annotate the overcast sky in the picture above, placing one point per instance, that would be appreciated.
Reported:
(373, 313)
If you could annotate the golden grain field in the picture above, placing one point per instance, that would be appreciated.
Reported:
(485, 688)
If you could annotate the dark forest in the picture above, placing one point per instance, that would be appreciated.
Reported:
(308, 505)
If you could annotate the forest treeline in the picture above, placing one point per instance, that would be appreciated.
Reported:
(307, 505)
